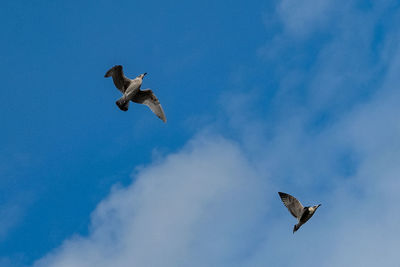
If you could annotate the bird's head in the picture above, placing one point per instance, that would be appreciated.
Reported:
(141, 76)
(314, 208)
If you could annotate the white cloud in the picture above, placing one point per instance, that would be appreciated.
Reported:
(198, 207)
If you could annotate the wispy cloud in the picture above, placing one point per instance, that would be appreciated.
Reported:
(303, 17)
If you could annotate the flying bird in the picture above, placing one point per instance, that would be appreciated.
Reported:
(131, 92)
(302, 214)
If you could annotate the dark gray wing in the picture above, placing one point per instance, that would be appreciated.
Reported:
(293, 205)
(148, 98)
(119, 79)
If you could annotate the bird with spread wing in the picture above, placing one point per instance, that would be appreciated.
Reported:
(131, 92)
(302, 214)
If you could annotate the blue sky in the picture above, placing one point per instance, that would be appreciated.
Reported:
(260, 97)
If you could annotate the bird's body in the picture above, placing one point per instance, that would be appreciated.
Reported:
(129, 93)
(134, 87)
(130, 88)
(302, 214)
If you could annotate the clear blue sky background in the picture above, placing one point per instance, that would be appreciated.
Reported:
(301, 90)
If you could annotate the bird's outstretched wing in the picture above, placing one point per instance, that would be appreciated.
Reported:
(148, 98)
(119, 79)
(293, 205)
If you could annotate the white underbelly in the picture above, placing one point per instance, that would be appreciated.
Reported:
(131, 92)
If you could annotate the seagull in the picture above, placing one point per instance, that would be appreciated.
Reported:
(131, 92)
(302, 214)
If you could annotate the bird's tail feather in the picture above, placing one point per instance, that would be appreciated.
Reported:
(123, 104)
(295, 228)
